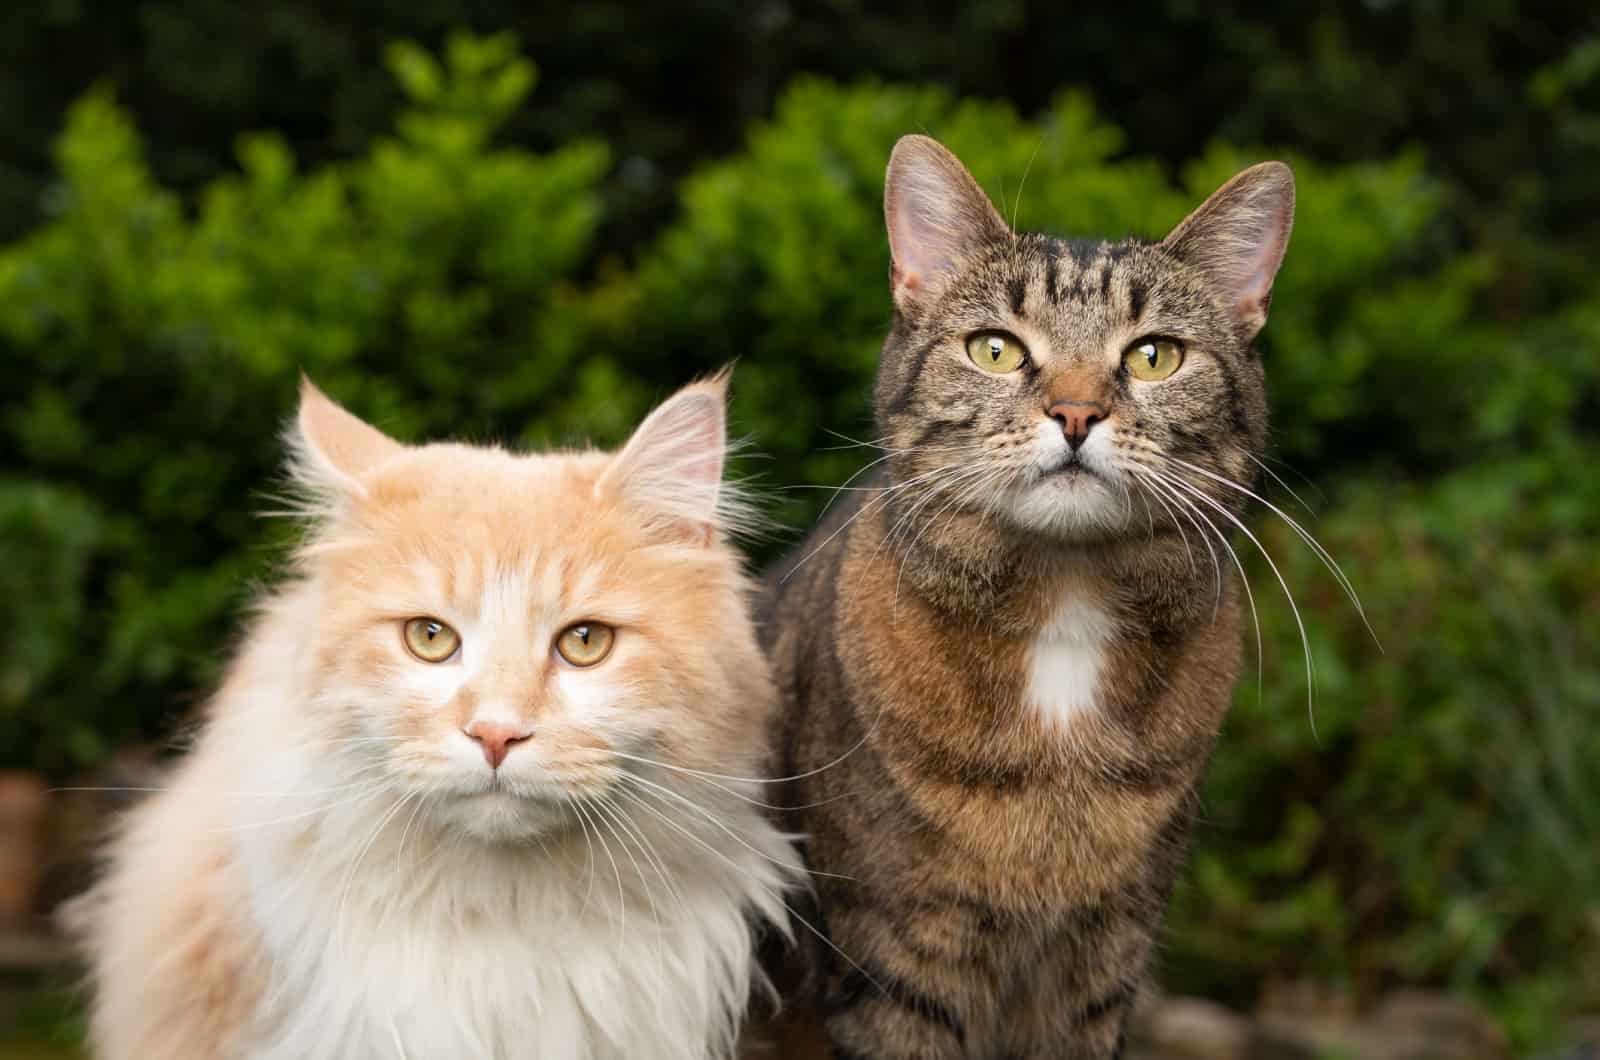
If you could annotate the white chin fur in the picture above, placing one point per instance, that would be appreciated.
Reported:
(1070, 505)
(500, 817)
(1082, 505)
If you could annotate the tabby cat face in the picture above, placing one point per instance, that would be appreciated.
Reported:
(1062, 386)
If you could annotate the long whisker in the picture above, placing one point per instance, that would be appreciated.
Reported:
(845, 485)
(642, 842)
(1279, 480)
(882, 498)
(588, 893)
(662, 791)
(748, 780)
(1016, 204)
(367, 789)
(399, 854)
(854, 443)
(1305, 639)
(1305, 535)
(281, 793)
(752, 800)
(963, 491)
(355, 866)
(622, 902)
(607, 811)
(889, 454)
(1149, 491)
(1188, 507)
(877, 443)
(1189, 512)
(934, 490)
(802, 921)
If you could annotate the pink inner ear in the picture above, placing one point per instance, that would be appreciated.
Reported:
(906, 245)
(1252, 280)
(710, 469)
(926, 233)
(1239, 236)
(672, 466)
(1255, 288)
(346, 444)
(935, 213)
(903, 278)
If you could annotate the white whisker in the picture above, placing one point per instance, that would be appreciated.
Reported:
(1305, 639)
(349, 879)
(1305, 535)
(662, 791)
(802, 921)
(1187, 507)
(622, 902)
(1279, 480)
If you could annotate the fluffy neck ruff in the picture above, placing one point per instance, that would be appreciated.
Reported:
(628, 934)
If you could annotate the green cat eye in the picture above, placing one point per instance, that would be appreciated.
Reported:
(430, 640)
(1153, 359)
(997, 352)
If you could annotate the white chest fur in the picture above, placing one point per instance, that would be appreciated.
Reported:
(412, 956)
(1067, 659)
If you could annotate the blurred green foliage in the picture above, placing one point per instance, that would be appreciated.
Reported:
(41, 1020)
(153, 352)
(1502, 93)
(1435, 826)
(1439, 823)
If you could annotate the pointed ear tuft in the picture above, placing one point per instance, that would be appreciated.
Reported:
(936, 215)
(333, 449)
(671, 469)
(1238, 238)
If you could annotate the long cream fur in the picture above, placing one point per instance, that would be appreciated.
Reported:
(331, 875)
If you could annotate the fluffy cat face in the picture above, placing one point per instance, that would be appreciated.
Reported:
(495, 631)
(1050, 382)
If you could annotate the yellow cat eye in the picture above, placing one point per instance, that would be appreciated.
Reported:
(431, 640)
(1153, 359)
(995, 351)
(585, 643)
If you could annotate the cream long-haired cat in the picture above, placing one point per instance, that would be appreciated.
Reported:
(467, 790)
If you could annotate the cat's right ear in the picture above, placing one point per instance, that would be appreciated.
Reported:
(670, 471)
(332, 448)
(937, 215)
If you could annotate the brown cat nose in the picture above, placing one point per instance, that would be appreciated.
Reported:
(496, 739)
(1076, 418)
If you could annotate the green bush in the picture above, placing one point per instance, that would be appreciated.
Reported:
(1437, 824)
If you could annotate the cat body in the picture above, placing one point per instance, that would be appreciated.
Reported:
(1006, 659)
(498, 854)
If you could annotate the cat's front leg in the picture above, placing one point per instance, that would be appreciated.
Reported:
(919, 982)
(894, 1023)
(1074, 1000)
(1094, 1032)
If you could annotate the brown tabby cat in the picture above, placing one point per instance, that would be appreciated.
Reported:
(1006, 663)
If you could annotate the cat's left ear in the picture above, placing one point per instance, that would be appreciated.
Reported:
(1238, 238)
(332, 448)
(671, 469)
(937, 217)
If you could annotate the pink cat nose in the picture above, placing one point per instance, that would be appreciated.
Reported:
(1076, 419)
(496, 739)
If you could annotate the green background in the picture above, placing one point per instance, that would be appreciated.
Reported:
(198, 201)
